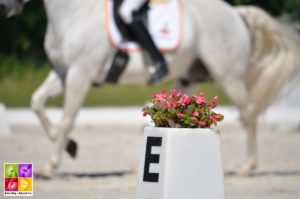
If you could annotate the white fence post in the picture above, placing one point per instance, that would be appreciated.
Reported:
(4, 126)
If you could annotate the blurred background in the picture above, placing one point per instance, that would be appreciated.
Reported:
(23, 63)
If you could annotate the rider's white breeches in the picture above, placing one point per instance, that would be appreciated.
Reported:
(127, 8)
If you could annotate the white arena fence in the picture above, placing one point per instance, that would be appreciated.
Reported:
(132, 116)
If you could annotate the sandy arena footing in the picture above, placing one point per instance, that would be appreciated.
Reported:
(106, 167)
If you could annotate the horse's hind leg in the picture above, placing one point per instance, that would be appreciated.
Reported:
(262, 92)
(229, 72)
(249, 120)
(78, 82)
(239, 95)
(51, 87)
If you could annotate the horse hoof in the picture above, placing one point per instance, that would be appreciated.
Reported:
(45, 174)
(72, 148)
(245, 169)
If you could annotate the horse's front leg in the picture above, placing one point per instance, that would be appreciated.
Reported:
(78, 82)
(51, 87)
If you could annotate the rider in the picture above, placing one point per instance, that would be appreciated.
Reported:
(128, 11)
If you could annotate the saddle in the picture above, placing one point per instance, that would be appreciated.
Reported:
(121, 58)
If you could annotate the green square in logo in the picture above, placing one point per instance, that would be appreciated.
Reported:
(11, 170)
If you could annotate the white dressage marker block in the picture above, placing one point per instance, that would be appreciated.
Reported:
(180, 164)
(4, 127)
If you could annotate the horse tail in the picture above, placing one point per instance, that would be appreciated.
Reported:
(275, 48)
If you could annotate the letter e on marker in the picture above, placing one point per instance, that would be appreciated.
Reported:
(151, 158)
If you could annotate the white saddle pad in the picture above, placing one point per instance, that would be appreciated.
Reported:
(165, 26)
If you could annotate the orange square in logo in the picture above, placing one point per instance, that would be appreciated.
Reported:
(25, 184)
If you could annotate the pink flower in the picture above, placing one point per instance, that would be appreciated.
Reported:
(145, 114)
(175, 94)
(171, 104)
(215, 101)
(202, 123)
(161, 97)
(213, 119)
(184, 100)
(195, 114)
(217, 116)
(200, 99)
(175, 109)
(180, 115)
(194, 120)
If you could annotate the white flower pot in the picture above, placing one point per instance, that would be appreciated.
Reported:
(180, 163)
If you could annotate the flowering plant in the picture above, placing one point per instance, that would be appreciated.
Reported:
(179, 110)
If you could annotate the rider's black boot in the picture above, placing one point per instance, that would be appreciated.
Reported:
(145, 40)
